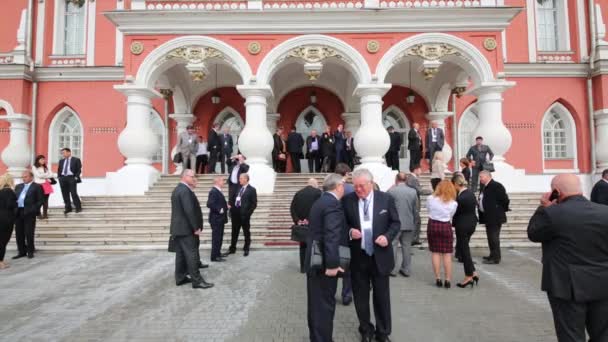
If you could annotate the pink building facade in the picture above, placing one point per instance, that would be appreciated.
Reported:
(117, 80)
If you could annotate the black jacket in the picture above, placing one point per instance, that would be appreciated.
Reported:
(339, 140)
(75, 167)
(599, 193)
(327, 145)
(249, 201)
(186, 214)
(302, 203)
(395, 145)
(309, 144)
(227, 143)
(327, 226)
(466, 173)
(495, 204)
(414, 141)
(385, 221)
(574, 236)
(465, 218)
(33, 198)
(295, 142)
(213, 141)
(8, 205)
(218, 208)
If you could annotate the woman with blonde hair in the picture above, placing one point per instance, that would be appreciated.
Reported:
(441, 206)
(438, 172)
(8, 205)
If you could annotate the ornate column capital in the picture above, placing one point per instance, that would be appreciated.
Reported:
(495, 88)
(133, 90)
(438, 116)
(254, 90)
(372, 89)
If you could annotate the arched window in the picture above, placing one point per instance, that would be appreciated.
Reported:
(156, 123)
(229, 118)
(558, 134)
(393, 116)
(468, 124)
(65, 131)
(310, 119)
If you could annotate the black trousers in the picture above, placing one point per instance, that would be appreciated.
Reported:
(240, 221)
(224, 160)
(25, 227)
(187, 259)
(314, 162)
(418, 223)
(364, 277)
(463, 251)
(321, 298)
(201, 163)
(68, 188)
(45, 205)
(217, 236)
(328, 164)
(415, 157)
(571, 319)
(302, 256)
(6, 230)
(295, 162)
(392, 159)
(213, 158)
(350, 159)
(493, 234)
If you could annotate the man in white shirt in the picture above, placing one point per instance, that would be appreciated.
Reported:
(201, 155)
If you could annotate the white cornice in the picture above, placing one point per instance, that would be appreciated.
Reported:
(79, 74)
(546, 70)
(315, 21)
(15, 72)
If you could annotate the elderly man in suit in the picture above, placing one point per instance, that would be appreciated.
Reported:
(435, 139)
(414, 145)
(479, 154)
(406, 200)
(493, 205)
(69, 170)
(300, 210)
(599, 193)
(295, 143)
(187, 145)
(29, 200)
(241, 209)
(374, 223)
(218, 217)
(236, 168)
(574, 236)
(413, 182)
(313, 152)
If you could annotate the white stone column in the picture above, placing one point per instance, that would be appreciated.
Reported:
(271, 122)
(255, 141)
(16, 156)
(439, 118)
(372, 140)
(183, 121)
(352, 122)
(601, 145)
(138, 143)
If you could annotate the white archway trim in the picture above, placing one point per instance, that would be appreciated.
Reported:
(571, 138)
(231, 55)
(313, 109)
(466, 117)
(7, 107)
(395, 109)
(271, 62)
(54, 132)
(332, 88)
(228, 111)
(479, 63)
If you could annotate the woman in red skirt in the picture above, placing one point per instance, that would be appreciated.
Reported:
(441, 206)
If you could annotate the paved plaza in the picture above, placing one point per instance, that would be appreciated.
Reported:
(132, 297)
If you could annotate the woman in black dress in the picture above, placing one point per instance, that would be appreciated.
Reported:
(8, 205)
(464, 222)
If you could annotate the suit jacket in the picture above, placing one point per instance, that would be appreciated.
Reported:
(599, 193)
(495, 204)
(187, 143)
(243, 168)
(218, 208)
(295, 142)
(8, 206)
(414, 183)
(33, 198)
(414, 141)
(302, 203)
(227, 144)
(75, 167)
(395, 145)
(327, 226)
(465, 217)
(466, 172)
(340, 140)
(479, 154)
(213, 141)
(309, 145)
(574, 237)
(249, 201)
(186, 214)
(440, 138)
(277, 146)
(327, 145)
(385, 221)
(406, 200)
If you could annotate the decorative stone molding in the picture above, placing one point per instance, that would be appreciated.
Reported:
(490, 44)
(137, 48)
(313, 54)
(68, 61)
(195, 56)
(373, 46)
(192, 5)
(308, 5)
(556, 57)
(431, 52)
(254, 48)
(6, 59)
(103, 130)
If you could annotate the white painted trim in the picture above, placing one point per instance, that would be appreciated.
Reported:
(90, 30)
(531, 20)
(546, 171)
(503, 38)
(40, 26)
(572, 139)
(15, 72)
(582, 30)
(228, 111)
(53, 134)
(270, 64)
(8, 108)
(159, 117)
(546, 70)
(58, 24)
(120, 5)
(564, 26)
(468, 111)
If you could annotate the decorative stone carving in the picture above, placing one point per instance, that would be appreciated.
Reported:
(373, 46)
(490, 44)
(167, 93)
(194, 54)
(254, 48)
(313, 54)
(459, 91)
(137, 48)
(432, 52)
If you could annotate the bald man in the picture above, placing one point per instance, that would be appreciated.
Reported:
(574, 236)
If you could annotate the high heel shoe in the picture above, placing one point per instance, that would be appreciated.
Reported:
(447, 284)
(476, 279)
(465, 285)
(438, 283)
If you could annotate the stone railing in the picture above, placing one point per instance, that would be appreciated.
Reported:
(555, 57)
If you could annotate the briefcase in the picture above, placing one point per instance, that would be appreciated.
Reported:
(299, 233)
(317, 261)
(488, 166)
(171, 247)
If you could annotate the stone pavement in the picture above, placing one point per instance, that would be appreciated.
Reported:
(132, 297)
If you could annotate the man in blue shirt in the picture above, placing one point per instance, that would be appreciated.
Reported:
(29, 201)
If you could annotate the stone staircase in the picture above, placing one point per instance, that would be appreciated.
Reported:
(115, 223)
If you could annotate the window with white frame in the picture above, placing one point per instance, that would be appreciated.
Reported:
(231, 120)
(69, 36)
(552, 25)
(159, 131)
(66, 131)
(396, 118)
(557, 137)
(466, 138)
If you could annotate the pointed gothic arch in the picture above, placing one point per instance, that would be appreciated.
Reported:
(66, 130)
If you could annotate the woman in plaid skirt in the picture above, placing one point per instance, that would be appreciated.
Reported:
(441, 206)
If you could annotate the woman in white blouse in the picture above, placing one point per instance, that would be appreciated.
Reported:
(438, 173)
(441, 206)
(43, 176)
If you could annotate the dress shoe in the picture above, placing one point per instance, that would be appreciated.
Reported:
(383, 339)
(487, 257)
(367, 338)
(19, 256)
(202, 285)
(201, 265)
(220, 259)
(347, 300)
(407, 275)
(78, 210)
(245, 253)
(183, 281)
(30, 255)
(230, 251)
(392, 274)
(67, 211)
(416, 243)
(491, 261)
(225, 255)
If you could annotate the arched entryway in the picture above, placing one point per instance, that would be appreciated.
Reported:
(230, 119)
(394, 117)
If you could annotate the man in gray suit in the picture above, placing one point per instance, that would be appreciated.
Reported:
(435, 139)
(186, 227)
(414, 183)
(187, 145)
(478, 154)
(406, 200)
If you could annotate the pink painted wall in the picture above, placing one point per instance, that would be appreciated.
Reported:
(11, 16)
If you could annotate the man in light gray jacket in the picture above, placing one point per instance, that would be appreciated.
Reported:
(187, 145)
(406, 200)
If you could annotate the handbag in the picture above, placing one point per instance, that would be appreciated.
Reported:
(171, 247)
(52, 181)
(488, 166)
(177, 158)
(299, 233)
(47, 188)
(317, 261)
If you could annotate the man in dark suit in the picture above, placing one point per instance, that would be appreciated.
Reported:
(215, 147)
(218, 217)
(574, 236)
(68, 170)
(599, 193)
(313, 152)
(435, 139)
(241, 210)
(29, 200)
(277, 147)
(300, 209)
(340, 145)
(227, 145)
(327, 226)
(236, 167)
(186, 227)
(479, 154)
(328, 151)
(414, 145)
(493, 205)
(392, 155)
(374, 223)
(295, 143)
(349, 148)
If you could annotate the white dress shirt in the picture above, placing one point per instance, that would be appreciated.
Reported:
(202, 149)
(366, 225)
(439, 210)
(434, 134)
(234, 175)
